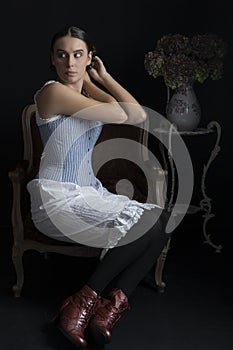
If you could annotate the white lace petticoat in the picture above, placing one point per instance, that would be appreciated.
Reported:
(95, 217)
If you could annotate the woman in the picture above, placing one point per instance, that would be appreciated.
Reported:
(70, 204)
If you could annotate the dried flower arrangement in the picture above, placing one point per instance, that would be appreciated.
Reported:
(180, 59)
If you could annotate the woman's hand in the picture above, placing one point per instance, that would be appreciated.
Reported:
(98, 72)
(94, 91)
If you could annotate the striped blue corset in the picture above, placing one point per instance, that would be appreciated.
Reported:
(68, 145)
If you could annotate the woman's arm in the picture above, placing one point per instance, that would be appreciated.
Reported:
(135, 113)
(56, 98)
(95, 92)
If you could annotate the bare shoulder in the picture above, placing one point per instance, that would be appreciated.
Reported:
(44, 99)
(50, 89)
(49, 97)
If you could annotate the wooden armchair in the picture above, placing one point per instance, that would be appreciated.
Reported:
(25, 235)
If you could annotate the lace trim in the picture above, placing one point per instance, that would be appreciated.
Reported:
(128, 217)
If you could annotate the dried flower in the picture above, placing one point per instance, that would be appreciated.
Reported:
(179, 59)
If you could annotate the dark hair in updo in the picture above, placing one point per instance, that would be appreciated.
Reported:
(78, 33)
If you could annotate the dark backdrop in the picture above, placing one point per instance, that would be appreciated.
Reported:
(123, 32)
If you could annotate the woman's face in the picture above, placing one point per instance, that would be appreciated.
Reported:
(70, 58)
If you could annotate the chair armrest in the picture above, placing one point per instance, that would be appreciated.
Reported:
(19, 172)
(157, 178)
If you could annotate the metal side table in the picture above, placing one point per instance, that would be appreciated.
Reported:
(205, 203)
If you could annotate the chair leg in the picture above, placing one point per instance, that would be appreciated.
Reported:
(159, 268)
(17, 257)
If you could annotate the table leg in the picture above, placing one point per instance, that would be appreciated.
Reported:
(205, 203)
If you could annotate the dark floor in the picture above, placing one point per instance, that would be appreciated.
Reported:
(194, 313)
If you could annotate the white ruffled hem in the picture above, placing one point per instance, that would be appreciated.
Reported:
(123, 223)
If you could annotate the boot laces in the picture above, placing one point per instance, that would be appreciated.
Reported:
(87, 304)
(115, 314)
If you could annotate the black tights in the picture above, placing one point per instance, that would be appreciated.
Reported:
(128, 264)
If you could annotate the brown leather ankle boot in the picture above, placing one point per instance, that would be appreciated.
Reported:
(106, 315)
(75, 313)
